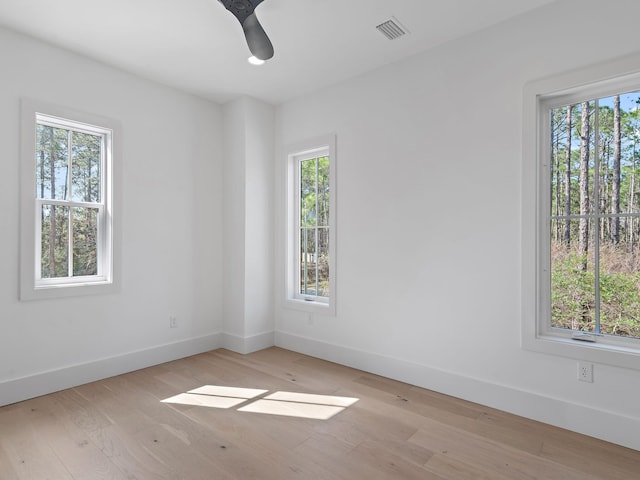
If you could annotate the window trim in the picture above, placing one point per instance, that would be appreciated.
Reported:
(295, 153)
(540, 96)
(107, 280)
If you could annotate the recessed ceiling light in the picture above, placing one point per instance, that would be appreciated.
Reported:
(255, 60)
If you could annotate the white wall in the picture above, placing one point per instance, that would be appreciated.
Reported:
(234, 151)
(171, 221)
(259, 245)
(429, 257)
(248, 134)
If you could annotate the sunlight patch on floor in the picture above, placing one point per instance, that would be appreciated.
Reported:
(312, 398)
(292, 404)
(216, 396)
(292, 409)
(205, 400)
(235, 392)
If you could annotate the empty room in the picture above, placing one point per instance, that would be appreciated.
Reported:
(304, 239)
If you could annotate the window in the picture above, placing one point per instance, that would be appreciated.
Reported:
(67, 205)
(586, 152)
(311, 226)
(594, 217)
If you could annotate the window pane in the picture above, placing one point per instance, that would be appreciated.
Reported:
(52, 164)
(85, 173)
(55, 241)
(308, 263)
(308, 193)
(619, 152)
(85, 241)
(323, 262)
(573, 161)
(573, 280)
(323, 191)
(619, 290)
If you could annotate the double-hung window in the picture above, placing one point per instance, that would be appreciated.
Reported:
(67, 204)
(584, 143)
(311, 226)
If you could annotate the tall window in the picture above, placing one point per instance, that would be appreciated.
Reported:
(594, 216)
(311, 269)
(581, 183)
(70, 204)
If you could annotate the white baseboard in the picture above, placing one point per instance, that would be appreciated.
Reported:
(12, 391)
(245, 345)
(605, 425)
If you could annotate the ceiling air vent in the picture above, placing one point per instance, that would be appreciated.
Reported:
(392, 29)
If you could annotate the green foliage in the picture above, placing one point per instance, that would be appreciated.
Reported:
(573, 293)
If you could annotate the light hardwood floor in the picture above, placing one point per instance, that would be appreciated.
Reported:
(119, 429)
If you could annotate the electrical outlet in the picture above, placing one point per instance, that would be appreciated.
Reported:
(585, 372)
(173, 322)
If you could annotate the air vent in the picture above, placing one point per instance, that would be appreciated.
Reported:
(392, 29)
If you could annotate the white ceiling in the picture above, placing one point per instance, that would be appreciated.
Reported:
(199, 47)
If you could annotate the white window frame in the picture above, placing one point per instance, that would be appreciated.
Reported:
(599, 81)
(32, 286)
(322, 146)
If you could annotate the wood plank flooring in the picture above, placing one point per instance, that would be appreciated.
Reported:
(119, 428)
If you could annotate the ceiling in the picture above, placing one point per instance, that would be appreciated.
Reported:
(198, 46)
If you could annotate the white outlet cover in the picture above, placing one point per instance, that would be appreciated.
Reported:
(585, 372)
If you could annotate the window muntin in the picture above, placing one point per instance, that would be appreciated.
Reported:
(68, 243)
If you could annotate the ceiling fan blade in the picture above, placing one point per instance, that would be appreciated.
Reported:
(257, 39)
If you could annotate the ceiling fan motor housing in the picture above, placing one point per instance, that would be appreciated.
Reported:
(241, 9)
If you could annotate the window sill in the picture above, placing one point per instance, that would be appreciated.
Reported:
(67, 290)
(310, 306)
(604, 353)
